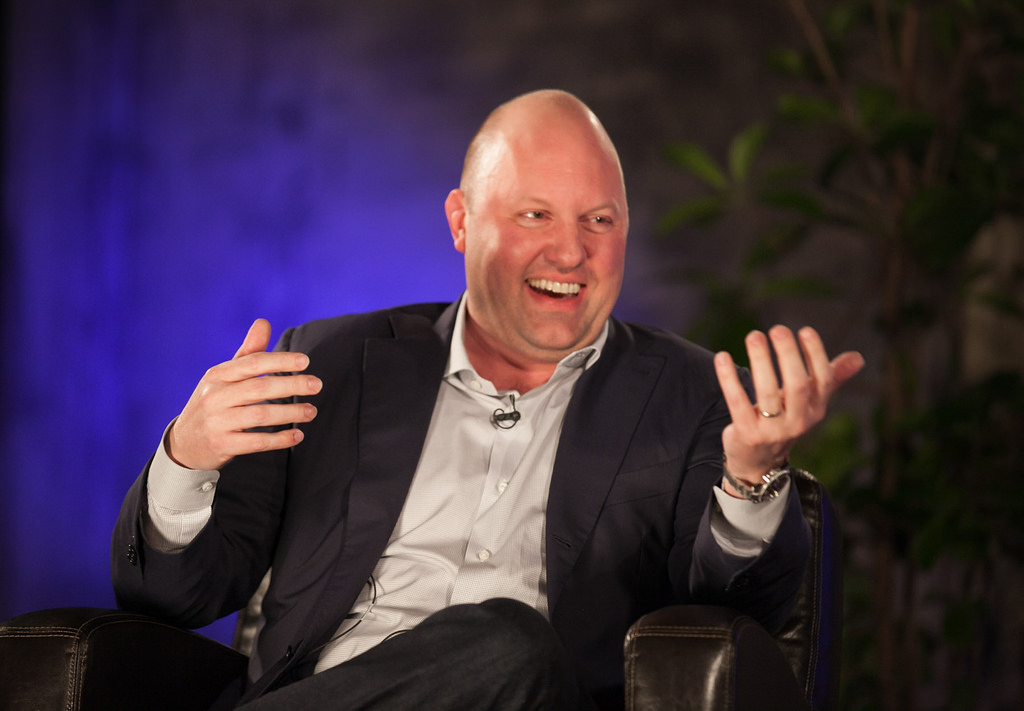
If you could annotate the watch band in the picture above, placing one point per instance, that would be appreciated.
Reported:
(769, 488)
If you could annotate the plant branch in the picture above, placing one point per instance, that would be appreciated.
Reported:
(949, 107)
(881, 12)
(821, 55)
(908, 52)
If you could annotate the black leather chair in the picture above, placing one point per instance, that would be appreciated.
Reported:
(682, 657)
(703, 657)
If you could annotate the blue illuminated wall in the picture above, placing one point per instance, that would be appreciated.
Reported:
(174, 169)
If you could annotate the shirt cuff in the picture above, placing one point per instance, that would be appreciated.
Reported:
(743, 528)
(177, 488)
(179, 502)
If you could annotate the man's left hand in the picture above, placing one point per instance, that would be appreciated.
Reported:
(762, 434)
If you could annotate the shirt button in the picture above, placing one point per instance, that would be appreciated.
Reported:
(502, 485)
(207, 487)
(484, 555)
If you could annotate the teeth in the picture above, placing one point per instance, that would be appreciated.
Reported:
(556, 287)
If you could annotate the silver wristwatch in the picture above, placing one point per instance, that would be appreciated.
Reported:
(769, 488)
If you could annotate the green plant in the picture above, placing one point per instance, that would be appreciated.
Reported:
(910, 118)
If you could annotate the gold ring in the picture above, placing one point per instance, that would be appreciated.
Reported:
(765, 413)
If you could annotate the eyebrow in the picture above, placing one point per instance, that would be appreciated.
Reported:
(610, 207)
(541, 202)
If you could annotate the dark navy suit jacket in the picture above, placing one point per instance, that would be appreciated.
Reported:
(626, 528)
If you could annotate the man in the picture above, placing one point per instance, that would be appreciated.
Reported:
(466, 505)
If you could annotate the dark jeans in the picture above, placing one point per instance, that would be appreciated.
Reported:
(500, 654)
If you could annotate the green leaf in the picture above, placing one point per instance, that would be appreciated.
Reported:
(788, 62)
(696, 161)
(875, 104)
(699, 211)
(783, 174)
(744, 148)
(834, 163)
(807, 109)
(845, 16)
(905, 131)
(941, 224)
(793, 199)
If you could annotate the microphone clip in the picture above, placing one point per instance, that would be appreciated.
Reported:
(506, 420)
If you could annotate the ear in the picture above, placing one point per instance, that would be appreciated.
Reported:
(455, 209)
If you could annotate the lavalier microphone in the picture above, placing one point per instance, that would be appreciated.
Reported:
(506, 420)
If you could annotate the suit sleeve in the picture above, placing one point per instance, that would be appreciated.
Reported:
(764, 586)
(220, 569)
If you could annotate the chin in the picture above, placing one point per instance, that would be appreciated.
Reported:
(561, 345)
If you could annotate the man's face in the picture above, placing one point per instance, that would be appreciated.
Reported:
(543, 229)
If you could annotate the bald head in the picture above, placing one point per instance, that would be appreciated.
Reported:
(548, 114)
(541, 219)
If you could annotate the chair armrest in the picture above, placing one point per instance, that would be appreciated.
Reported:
(693, 656)
(85, 658)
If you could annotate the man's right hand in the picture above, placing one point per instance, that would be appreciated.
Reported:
(231, 398)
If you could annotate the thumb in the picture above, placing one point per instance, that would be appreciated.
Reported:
(845, 366)
(257, 339)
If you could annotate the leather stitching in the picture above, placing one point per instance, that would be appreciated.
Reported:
(42, 634)
(684, 634)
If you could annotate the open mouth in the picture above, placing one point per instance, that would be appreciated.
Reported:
(555, 289)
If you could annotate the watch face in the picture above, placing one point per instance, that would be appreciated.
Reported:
(770, 487)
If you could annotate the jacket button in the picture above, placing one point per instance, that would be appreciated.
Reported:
(133, 555)
(289, 653)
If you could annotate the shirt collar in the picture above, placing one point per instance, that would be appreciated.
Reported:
(458, 359)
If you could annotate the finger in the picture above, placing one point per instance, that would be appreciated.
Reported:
(762, 371)
(267, 415)
(829, 375)
(817, 361)
(845, 366)
(795, 380)
(257, 339)
(239, 443)
(217, 405)
(736, 398)
(258, 364)
(279, 387)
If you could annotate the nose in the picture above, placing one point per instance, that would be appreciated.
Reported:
(566, 248)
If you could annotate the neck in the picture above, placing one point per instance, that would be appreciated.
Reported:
(504, 371)
(514, 379)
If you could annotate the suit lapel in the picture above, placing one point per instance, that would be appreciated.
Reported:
(606, 406)
(401, 376)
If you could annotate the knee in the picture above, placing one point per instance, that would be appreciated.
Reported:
(511, 651)
(516, 625)
(504, 609)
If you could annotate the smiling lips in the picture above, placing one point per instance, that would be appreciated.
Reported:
(555, 288)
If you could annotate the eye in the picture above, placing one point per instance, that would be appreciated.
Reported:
(531, 218)
(598, 223)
